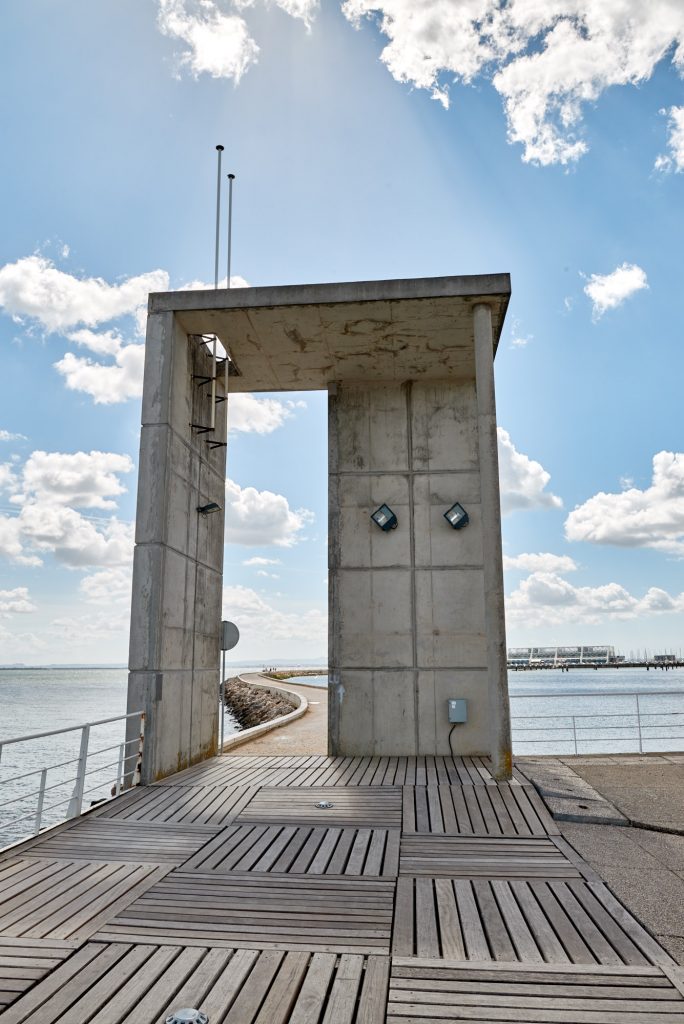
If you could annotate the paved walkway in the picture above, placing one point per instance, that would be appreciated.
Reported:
(321, 890)
(305, 735)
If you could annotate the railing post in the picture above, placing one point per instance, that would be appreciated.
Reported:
(76, 802)
(638, 706)
(574, 733)
(119, 771)
(137, 775)
(41, 798)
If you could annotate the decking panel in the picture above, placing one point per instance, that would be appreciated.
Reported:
(366, 807)
(423, 993)
(326, 913)
(542, 921)
(295, 849)
(483, 857)
(108, 839)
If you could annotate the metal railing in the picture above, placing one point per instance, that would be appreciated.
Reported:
(632, 728)
(126, 762)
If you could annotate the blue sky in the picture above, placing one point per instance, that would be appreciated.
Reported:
(373, 139)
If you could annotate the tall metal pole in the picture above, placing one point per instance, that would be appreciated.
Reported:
(219, 150)
(223, 697)
(231, 179)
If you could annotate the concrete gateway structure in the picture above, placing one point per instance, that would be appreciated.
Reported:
(416, 612)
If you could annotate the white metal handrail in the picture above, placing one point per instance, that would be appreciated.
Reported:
(128, 767)
(637, 720)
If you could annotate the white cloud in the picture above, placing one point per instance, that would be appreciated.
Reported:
(675, 142)
(547, 61)
(258, 560)
(74, 540)
(7, 435)
(16, 601)
(34, 287)
(11, 546)
(48, 490)
(260, 623)
(217, 44)
(102, 343)
(522, 480)
(634, 518)
(8, 476)
(106, 383)
(203, 286)
(546, 599)
(302, 9)
(543, 561)
(108, 586)
(262, 517)
(607, 291)
(257, 415)
(81, 479)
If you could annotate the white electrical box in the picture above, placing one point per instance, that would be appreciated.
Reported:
(458, 709)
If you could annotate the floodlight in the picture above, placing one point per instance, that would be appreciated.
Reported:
(205, 510)
(457, 516)
(385, 518)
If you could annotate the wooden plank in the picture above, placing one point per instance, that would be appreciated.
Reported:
(22, 966)
(648, 946)
(361, 806)
(449, 924)
(282, 996)
(540, 994)
(77, 899)
(101, 839)
(289, 849)
(551, 948)
(373, 1000)
(117, 1005)
(344, 914)
(451, 856)
(403, 929)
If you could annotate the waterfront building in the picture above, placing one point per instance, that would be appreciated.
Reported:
(547, 657)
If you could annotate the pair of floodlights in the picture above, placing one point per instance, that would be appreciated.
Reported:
(386, 519)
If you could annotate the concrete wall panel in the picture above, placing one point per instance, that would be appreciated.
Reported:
(407, 604)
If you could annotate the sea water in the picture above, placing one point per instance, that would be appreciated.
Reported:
(553, 712)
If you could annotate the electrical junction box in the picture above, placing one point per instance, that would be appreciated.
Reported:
(458, 709)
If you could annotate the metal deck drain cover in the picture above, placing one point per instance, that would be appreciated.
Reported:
(324, 804)
(187, 1016)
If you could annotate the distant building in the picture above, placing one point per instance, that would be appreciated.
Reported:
(665, 659)
(527, 657)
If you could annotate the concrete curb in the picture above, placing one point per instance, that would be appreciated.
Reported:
(299, 703)
(568, 796)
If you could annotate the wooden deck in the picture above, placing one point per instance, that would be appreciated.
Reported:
(426, 893)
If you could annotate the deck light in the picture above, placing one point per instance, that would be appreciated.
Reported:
(457, 516)
(385, 518)
(187, 1016)
(205, 510)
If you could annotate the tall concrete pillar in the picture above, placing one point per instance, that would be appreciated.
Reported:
(500, 727)
(407, 607)
(178, 562)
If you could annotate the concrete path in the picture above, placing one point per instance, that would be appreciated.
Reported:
(640, 855)
(306, 735)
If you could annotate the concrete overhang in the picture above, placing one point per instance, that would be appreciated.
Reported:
(304, 337)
